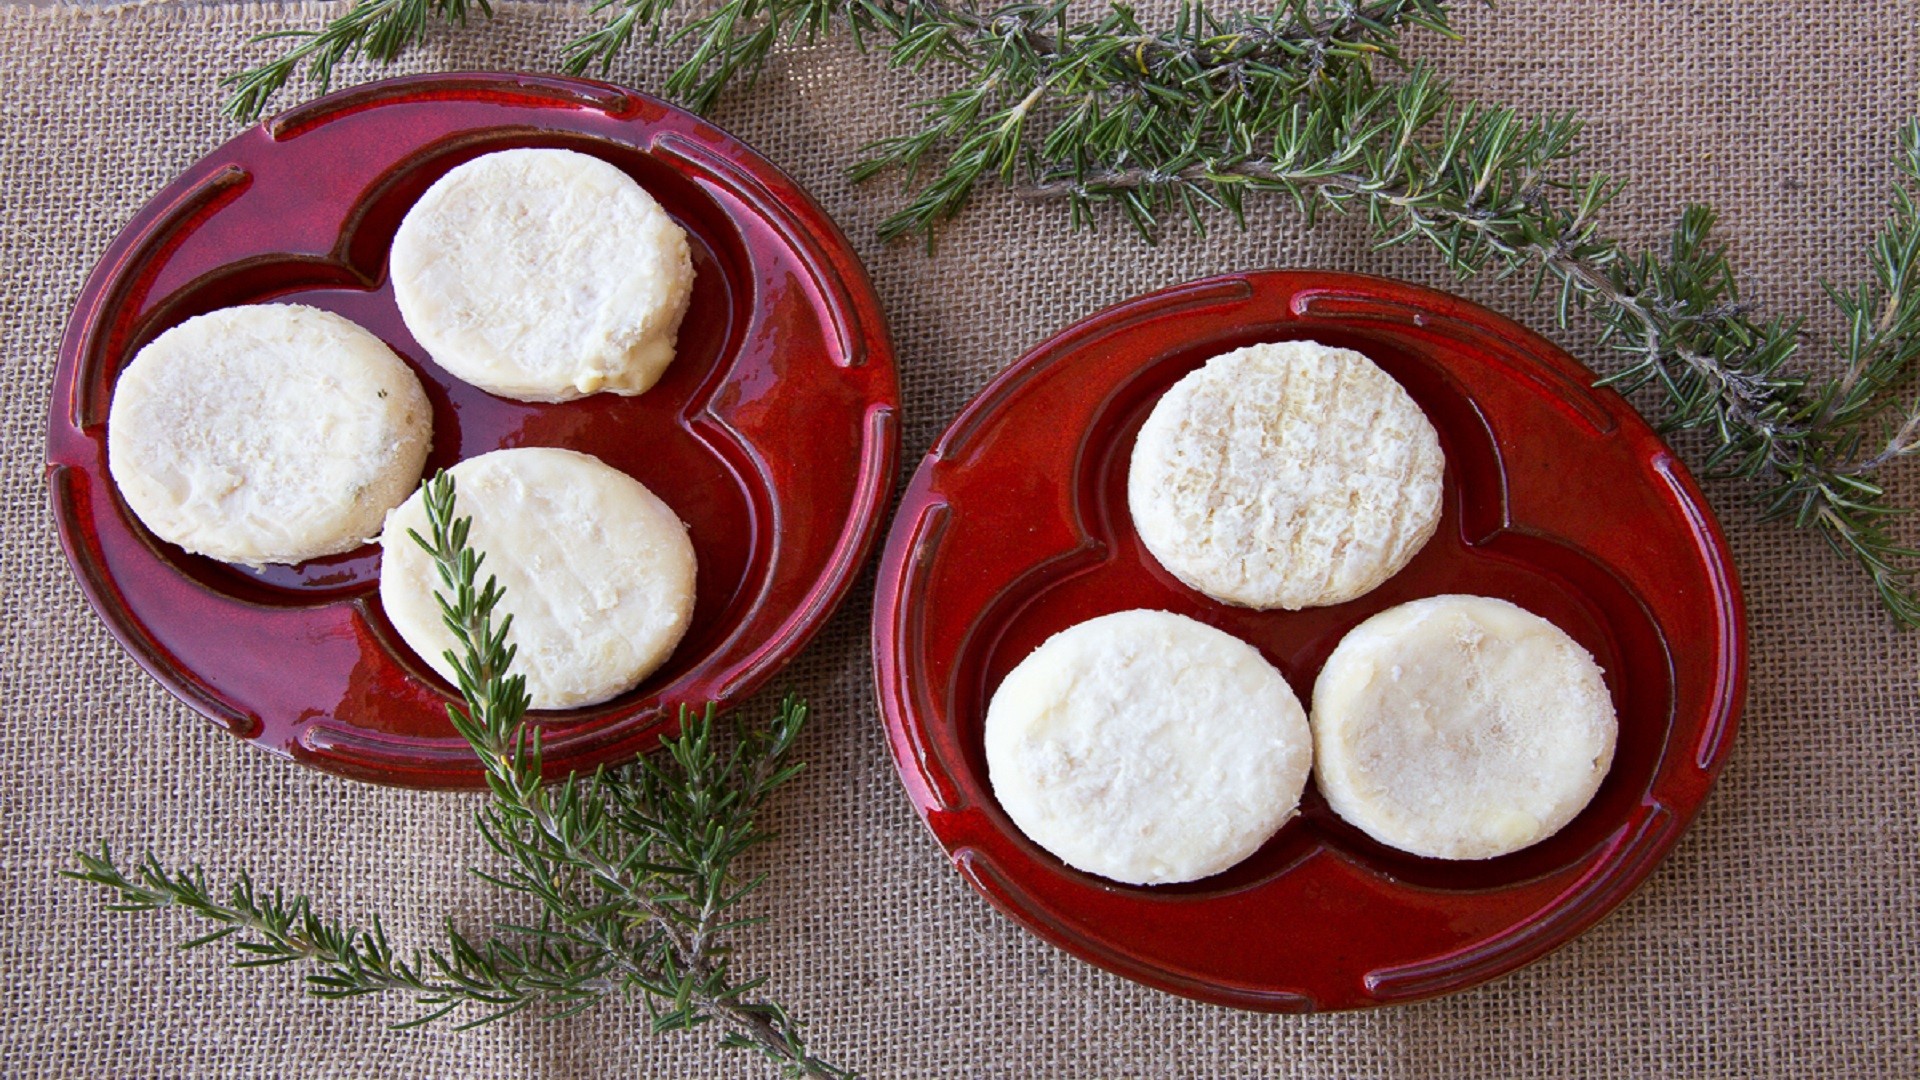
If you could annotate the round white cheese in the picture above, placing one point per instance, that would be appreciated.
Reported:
(273, 433)
(1285, 475)
(543, 275)
(598, 572)
(1460, 727)
(1147, 747)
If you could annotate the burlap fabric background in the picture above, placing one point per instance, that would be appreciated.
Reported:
(1778, 940)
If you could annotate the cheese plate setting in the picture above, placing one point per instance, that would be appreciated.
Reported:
(773, 434)
(1111, 593)
(1557, 498)
(901, 539)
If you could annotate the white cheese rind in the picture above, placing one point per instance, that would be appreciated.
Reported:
(1460, 727)
(598, 572)
(272, 433)
(1147, 748)
(1286, 475)
(543, 275)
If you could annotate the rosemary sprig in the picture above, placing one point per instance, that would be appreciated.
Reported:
(1195, 118)
(1038, 90)
(631, 869)
(1492, 191)
(269, 929)
(378, 29)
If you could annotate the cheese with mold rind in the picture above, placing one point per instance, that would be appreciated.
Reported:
(270, 433)
(598, 572)
(1286, 475)
(1147, 747)
(1460, 727)
(543, 275)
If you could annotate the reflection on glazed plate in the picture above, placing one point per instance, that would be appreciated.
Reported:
(774, 433)
(1558, 497)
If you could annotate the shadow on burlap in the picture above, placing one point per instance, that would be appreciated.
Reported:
(1777, 940)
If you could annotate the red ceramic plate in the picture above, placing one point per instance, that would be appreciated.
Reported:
(1558, 498)
(773, 434)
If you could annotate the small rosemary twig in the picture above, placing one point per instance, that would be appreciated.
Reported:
(379, 29)
(270, 929)
(631, 869)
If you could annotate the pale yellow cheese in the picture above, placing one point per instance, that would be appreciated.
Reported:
(1460, 727)
(598, 572)
(273, 433)
(543, 275)
(1285, 475)
(1147, 747)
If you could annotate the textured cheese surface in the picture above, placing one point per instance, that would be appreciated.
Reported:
(543, 275)
(598, 572)
(1460, 727)
(1285, 475)
(1147, 748)
(273, 433)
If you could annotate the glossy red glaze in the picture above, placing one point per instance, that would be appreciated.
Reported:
(774, 433)
(1558, 498)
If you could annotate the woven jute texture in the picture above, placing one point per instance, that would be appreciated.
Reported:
(1778, 940)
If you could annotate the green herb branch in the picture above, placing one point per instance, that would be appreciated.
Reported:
(631, 870)
(1492, 191)
(1196, 119)
(1311, 101)
(378, 29)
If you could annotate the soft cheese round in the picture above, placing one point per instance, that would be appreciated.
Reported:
(543, 275)
(1285, 475)
(598, 572)
(273, 433)
(1460, 727)
(1147, 748)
